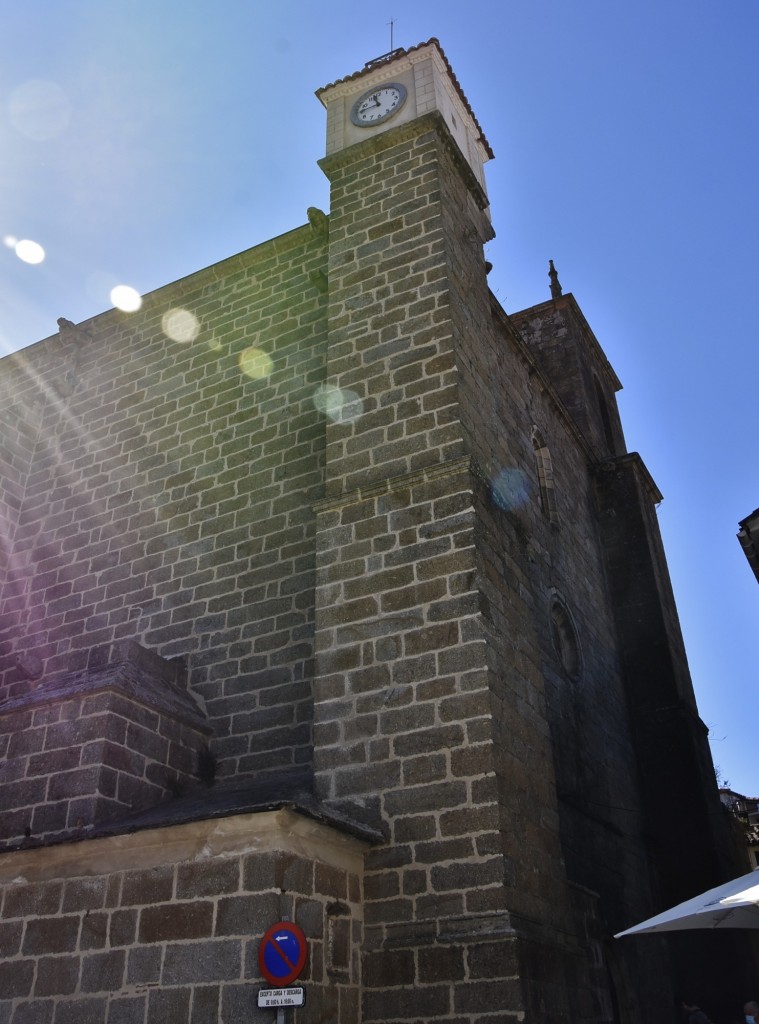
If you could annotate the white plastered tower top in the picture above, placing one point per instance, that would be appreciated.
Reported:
(430, 85)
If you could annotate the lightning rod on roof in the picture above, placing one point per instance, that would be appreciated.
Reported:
(386, 56)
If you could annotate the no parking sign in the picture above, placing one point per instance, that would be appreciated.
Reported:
(282, 953)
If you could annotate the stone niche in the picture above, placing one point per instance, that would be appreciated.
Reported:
(86, 747)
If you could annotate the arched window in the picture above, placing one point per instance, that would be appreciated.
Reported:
(544, 468)
(564, 636)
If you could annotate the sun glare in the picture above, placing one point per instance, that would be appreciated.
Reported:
(127, 299)
(341, 405)
(508, 489)
(255, 363)
(28, 251)
(180, 325)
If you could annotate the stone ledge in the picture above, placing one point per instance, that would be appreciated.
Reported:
(467, 929)
(394, 483)
(125, 667)
(260, 828)
(432, 121)
(90, 746)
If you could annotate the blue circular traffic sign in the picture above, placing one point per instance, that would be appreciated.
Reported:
(282, 953)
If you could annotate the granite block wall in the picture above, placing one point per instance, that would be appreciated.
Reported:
(20, 421)
(166, 925)
(121, 737)
(442, 699)
(168, 499)
(403, 715)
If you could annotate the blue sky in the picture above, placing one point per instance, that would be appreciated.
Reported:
(626, 147)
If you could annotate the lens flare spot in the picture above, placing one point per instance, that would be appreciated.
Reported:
(39, 109)
(508, 489)
(340, 404)
(180, 325)
(28, 251)
(255, 363)
(10, 241)
(127, 299)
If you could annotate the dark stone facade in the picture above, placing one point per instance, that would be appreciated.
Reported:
(346, 604)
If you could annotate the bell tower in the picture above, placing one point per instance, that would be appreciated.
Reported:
(409, 216)
(403, 726)
(397, 89)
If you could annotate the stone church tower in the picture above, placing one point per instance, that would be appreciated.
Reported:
(331, 594)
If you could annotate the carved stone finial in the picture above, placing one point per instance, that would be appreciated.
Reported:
(319, 221)
(70, 332)
(555, 286)
(71, 338)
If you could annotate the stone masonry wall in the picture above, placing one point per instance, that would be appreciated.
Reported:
(165, 926)
(528, 562)
(665, 717)
(564, 757)
(402, 707)
(493, 392)
(169, 499)
(90, 746)
(566, 766)
(20, 408)
(390, 340)
(432, 716)
(560, 341)
(526, 554)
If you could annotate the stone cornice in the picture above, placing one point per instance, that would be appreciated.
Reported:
(569, 302)
(375, 144)
(281, 829)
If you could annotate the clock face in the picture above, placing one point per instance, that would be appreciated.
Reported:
(378, 105)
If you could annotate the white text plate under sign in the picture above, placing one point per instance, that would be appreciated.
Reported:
(281, 997)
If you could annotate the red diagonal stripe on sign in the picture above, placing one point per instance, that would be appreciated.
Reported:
(282, 952)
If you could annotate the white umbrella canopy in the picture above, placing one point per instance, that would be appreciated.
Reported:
(733, 904)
